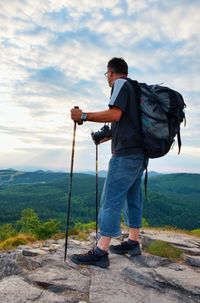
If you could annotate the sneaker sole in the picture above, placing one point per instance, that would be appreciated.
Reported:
(99, 264)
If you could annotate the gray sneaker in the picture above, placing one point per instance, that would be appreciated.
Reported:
(126, 248)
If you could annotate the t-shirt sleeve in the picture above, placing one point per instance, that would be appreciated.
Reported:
(119, 96)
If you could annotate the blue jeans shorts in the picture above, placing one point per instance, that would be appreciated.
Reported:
(122, 191)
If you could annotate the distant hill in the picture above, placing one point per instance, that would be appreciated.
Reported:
(103, 173)
(173, 199)
(153, 173)
(11, 177)
(179, 183)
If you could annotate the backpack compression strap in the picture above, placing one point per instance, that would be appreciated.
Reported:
(179, 141)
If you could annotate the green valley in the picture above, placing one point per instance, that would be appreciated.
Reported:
(173, 199)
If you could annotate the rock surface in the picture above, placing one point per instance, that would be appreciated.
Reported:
(46, 278)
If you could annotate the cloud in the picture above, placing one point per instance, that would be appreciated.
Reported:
(50, 74)
(54, 54)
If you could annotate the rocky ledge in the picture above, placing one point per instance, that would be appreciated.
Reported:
(39, 274)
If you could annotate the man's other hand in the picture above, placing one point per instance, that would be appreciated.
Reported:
(105, 140)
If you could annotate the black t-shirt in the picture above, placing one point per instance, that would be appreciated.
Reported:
(126, 134)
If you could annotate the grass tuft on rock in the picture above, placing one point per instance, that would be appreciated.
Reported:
(13, 242)
(196, 232)
(164, 249)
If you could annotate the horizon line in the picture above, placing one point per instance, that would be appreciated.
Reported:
(26, 170)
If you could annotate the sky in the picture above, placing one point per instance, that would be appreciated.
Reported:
(53, 56)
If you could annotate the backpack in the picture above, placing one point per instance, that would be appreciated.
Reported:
(162, 111)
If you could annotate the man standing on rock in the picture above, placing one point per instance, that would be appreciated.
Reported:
(122, 188)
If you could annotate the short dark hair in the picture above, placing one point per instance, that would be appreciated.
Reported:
(118, 65)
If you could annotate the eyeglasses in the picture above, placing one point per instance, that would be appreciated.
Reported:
(106, 74)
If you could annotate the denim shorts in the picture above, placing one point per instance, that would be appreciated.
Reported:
(122, 191)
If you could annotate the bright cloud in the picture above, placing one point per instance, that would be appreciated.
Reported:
(53, 56)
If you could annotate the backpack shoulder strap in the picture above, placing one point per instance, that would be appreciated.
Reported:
(136, 86)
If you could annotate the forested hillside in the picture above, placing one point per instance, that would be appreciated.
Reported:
(173, 199)
(11, 177)
(47, 194)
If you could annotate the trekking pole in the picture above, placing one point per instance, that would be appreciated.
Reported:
(97, 192)
(70, 186)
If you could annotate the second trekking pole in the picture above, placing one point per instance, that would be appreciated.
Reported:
(97, 192)
(70, 187)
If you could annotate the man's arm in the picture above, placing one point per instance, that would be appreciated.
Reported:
(109, 115)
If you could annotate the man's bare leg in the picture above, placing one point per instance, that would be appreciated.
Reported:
(134, 234)
(104, 242)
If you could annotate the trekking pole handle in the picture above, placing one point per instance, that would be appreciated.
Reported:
(80, 122)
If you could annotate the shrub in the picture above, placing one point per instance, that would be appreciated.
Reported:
(81, 231)
(145, 223)
(47, 229)
(87, 227)
(29, 222)
(7, 231)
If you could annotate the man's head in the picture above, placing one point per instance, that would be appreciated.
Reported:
(116, 68)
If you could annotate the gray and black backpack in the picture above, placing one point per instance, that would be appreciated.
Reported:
(162, 112)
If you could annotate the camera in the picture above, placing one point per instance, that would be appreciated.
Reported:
(104, 132)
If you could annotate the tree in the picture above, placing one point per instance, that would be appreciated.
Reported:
(29, 222)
